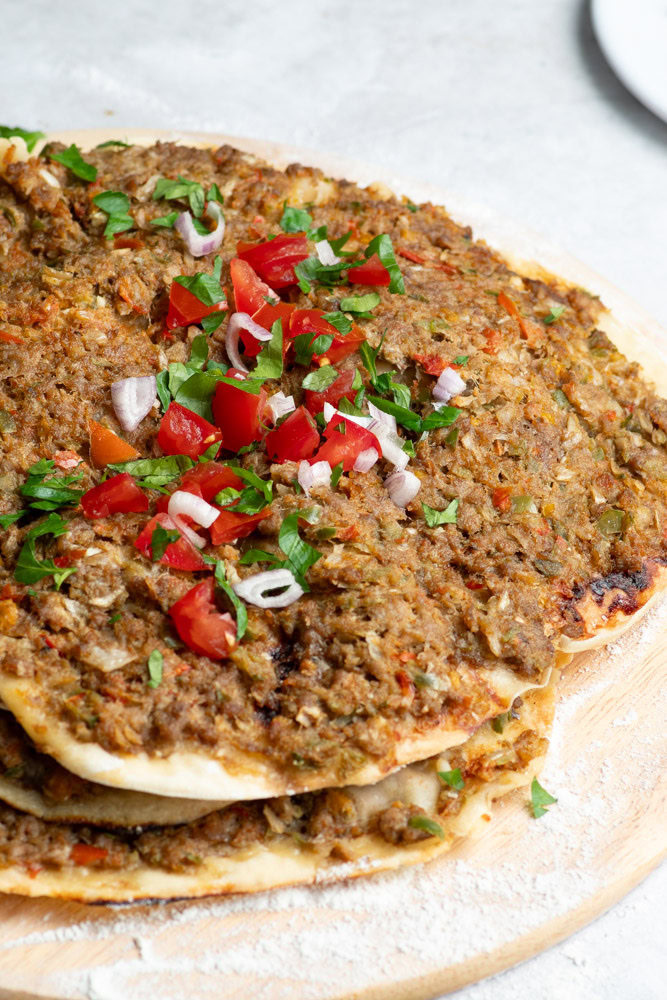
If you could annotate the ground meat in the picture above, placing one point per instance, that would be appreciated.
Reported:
(556, 428)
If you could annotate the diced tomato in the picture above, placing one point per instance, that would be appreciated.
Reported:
(183, 432)
(295, 439)
(500, 498)
(106, 447)
(208, 478)
(186, 308)
(274, 260)
(118, 495)
(266, 317)
(180, 554)
(200, 625)
(312, 321)
(373, 272)
(238, 414)
(431, 363)
(493, 340)
(86, 854)
(249, 291)
(340, 389)
(345, 446)
(229, 525)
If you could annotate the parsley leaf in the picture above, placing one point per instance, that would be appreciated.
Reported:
(116, 205)
(444, 417)
(30, 569)
(320, 379)
(300, 555)
(205, 287)
(155, 668)
(539, 799)
(259, 555)
(404, 416)
(435, 517)
(73, 160)
(181, 188)
(452, 778)
(264, 487)
(382, 246)
(360, 303)
(7, 519)
(161, 539)
(554, 314)
(428, 825)
(214, 194)
(50, 494)
(166, 221)
(113, 142)
(295, 220)
(238, 605)
(154, 472)
(412, 208)
(336, 473)
(340, 321)
(270, 358)
(211, 323)
(462, 359)
(30, 138)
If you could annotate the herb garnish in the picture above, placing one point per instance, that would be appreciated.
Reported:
(435, 517)
(117, 206)
(462, 359)
(50, 494)
(320, 379)
(30, 569)
(383, 247)
(166, 221)
(300, 555)
(30, 138)
(205, 287)
(112, 142)
(270, 358)
(214, 194)
(252, 499)
(452, 778)
(7, 519)
(181, 188)
(554, 314)
(161, 539)
(151, 473)
(336, 473)
(428, 825)
(539, 799)
(295, 220)
(340, 321)
(155, 668)
(237, 604)
(360, 303)
(73, 160)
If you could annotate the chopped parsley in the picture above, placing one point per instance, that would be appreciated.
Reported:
(155, 668)
(295, 220)
(113, 142)
(270, 358)
(452, 778)
(360, 303)
(151, 473)
(181, 188)
(336, 473)
(7, 519)
(320, 379)
(30, 569)
(340, 321)
(251, 500)
(214, 194)
(161, 539)
(300, 555)
(462, 359)
(73, 160)
(165, 221)
(52, 493)
(540, 799)
(238, 605)
(412, 208)
(30, 138)
(435, 517)
(205, 287)
(305, 346)
(428, 825)
(383, 247)
(117, 206)
(554, 314)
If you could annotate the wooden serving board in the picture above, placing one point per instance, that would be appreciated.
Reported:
(521, 887)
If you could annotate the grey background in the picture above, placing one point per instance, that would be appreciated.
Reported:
(510, 103)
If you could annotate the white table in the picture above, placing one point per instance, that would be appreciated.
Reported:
(510, 103)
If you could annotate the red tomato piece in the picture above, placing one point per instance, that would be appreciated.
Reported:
(340, 389)
(432, 364)
(180, 554)
(296, 438)
(208, 478)
(118, 495)
(238, 414)
(274, 260)
(249, 291)
(200, 625)
(86, 854)
(183, 432)
(266, 317)
(229, 526)
(373, 272)
(186, 308)
(345, 447)
(312, 321)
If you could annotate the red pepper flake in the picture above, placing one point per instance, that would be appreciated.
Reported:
(447, 268)
(500, 498)
(404, 682)
(410, 255)
(182, 668)
(493, 340)
(9, 338)
(407, 655)
(86, 854)
(47, 641)
(474, 585)
(347, 534)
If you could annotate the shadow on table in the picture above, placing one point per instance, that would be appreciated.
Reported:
(608, 83)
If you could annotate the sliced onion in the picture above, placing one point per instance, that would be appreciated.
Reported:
(449, 384)
(325, 253)
(330, 412)
(280, 405)
(388, 419)
(187, 531)
(390, 443)
(133, 399)
(182, 502)
(318, 474)
(197, 244)
(237, 322)
(254, 589)
(365, 460)
(402, 486)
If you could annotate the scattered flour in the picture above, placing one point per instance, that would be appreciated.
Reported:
(327, 941)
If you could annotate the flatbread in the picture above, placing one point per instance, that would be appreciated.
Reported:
(282, 860)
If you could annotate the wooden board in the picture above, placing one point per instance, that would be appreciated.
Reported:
(522, 886)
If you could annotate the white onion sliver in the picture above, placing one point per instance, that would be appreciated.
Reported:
(388, 419)
(330, 412)
(199, 245)
(280, 405)
(133, 399)
(449, 384)
(402, 486)
(390, 443)
(241, 321)
(365, 460)
(254, 589)
(325, 253)
(187, 531)
(182, 502)
(318, 474)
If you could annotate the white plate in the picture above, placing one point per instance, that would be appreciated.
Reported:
(633, 36)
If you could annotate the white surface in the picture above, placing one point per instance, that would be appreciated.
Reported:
(510, 103)
(633, 36)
